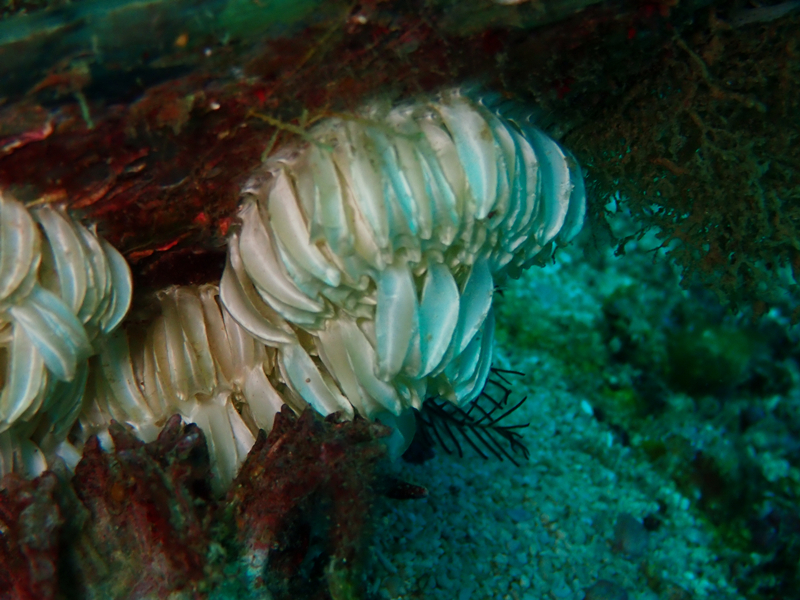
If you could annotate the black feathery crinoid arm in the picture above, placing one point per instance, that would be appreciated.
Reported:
(479, 424)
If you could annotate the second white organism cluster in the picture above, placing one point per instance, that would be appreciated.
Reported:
(382, 237)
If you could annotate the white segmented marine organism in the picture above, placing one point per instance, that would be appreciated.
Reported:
(360, 279)
(61, 289)
(194, 359)
(383, 240)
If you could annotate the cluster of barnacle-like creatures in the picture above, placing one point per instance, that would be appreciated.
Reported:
(62, 290)
(359, 280)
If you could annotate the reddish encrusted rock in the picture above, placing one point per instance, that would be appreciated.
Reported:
(149, 506)
(140, 521)
(30, 521)
(301, 502)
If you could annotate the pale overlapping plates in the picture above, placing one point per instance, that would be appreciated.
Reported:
(191, 359)
(384, 238)
(61, 288)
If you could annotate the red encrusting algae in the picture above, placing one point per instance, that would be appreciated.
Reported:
(30, 521)
(140, 520)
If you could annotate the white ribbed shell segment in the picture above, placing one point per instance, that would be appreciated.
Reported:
(62, 288)
(383, 239)
(192, 359)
